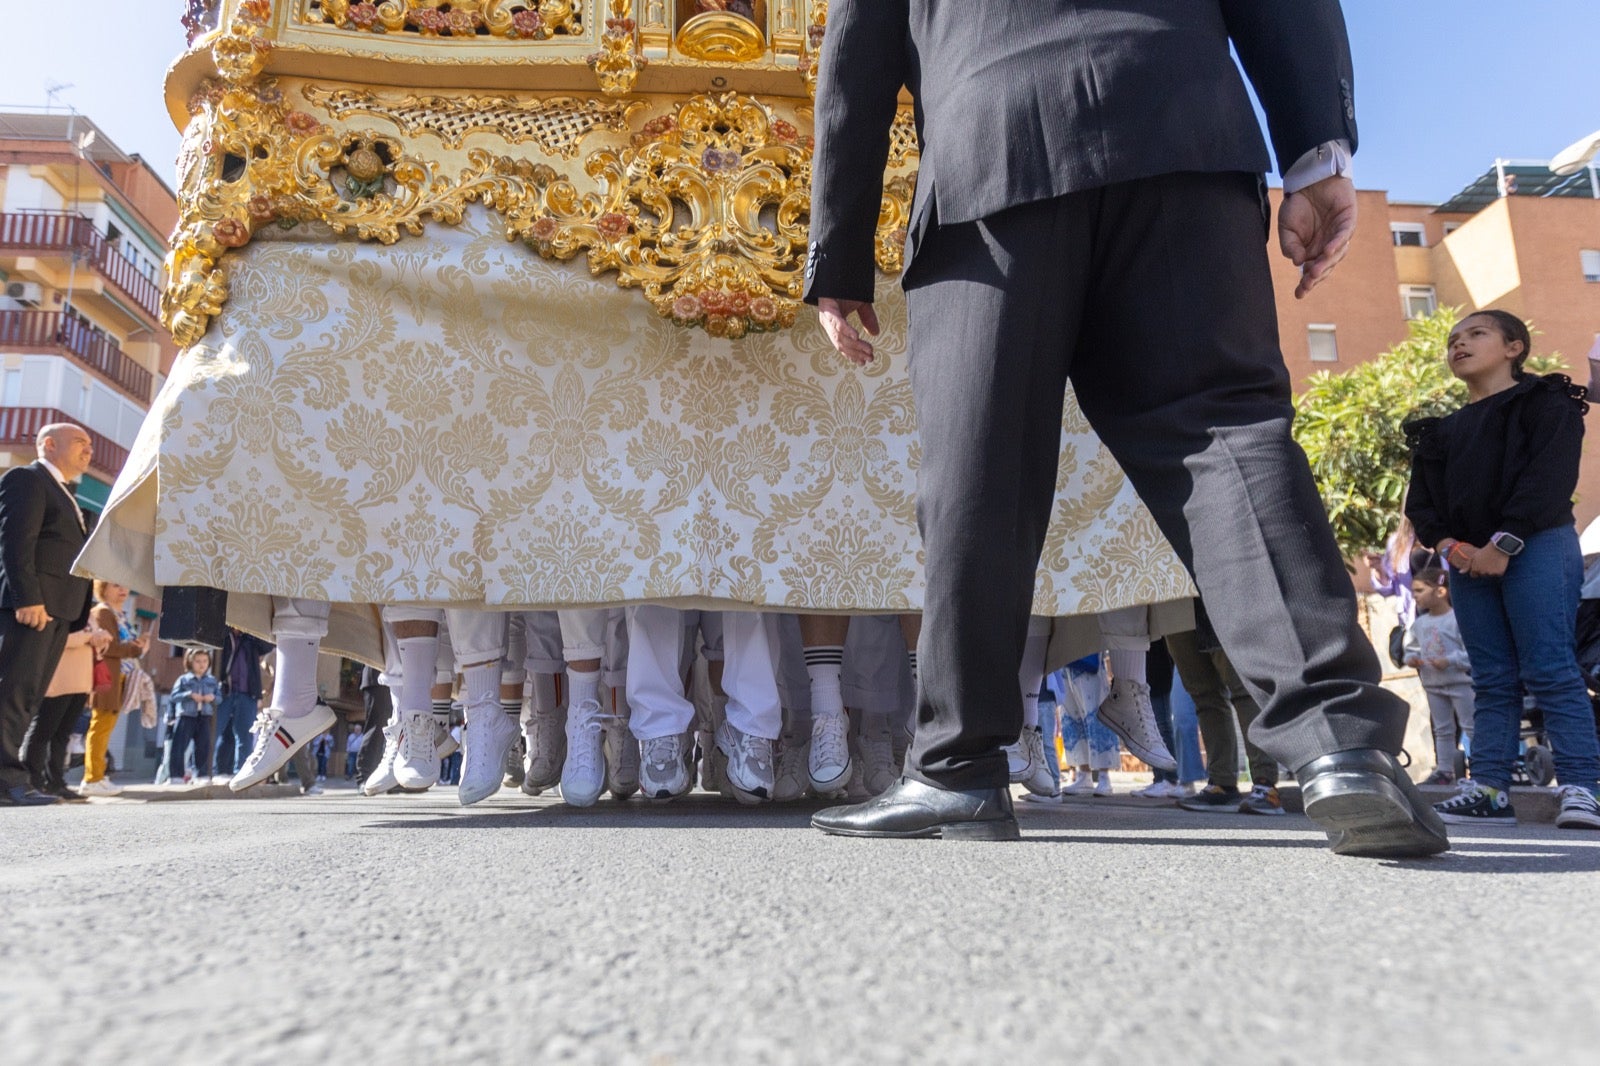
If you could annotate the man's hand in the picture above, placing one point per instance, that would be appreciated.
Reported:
(35, 617)
(846, 340)
(1314, 229)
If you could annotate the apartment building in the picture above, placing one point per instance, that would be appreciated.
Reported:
(1516, 237)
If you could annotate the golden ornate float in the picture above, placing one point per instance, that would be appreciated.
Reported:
(497, 302)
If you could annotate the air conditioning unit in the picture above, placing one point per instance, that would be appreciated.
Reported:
(25, 292)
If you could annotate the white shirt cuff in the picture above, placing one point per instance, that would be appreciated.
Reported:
(1324, 161)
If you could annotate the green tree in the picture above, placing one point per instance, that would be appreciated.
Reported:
(1349, 425)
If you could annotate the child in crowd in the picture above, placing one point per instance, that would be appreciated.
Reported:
(1491, 490)
(194, 701)
(1434, 649)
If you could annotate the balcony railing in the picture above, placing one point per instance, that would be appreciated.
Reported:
(20, 425)
(52, 330)
(62, 231)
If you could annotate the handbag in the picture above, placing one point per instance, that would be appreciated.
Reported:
(105, 678)
(1397, 646)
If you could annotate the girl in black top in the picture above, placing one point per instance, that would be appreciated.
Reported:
(1491, 490)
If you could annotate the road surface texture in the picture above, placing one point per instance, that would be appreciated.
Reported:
(407, 930)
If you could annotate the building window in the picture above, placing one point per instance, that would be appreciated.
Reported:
(12, 395)
(1323, 343)
(1590, 259)
(1419, 301)
(1451, 227)
(1408, 234)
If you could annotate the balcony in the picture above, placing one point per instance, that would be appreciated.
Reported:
(65, 233)
(52, 331)
(20, 425)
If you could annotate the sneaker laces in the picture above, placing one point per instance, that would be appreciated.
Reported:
(415, 726)
(583, 719)
(830, 747)
(660, 752)
(751, 748)
(477, 754)
(1582, 795)
(263, 727)
(1467, 792)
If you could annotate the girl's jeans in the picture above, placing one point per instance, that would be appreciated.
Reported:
(1520, 633)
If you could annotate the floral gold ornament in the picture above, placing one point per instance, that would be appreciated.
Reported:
(619, 60)
(531, 20)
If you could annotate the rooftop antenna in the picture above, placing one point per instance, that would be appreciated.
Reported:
(52, 93)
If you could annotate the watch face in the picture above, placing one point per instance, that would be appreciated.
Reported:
(1508, 543)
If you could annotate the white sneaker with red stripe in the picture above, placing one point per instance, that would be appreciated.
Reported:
(278, 738)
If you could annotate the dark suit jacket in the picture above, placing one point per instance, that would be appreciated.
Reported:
(39, 539)
(1024, 100)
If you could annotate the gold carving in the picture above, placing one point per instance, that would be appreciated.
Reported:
(619, 61)
(721, 37)
(530, 20)
(813, 53)
(556, 124)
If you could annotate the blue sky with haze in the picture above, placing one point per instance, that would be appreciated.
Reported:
(1442, 86)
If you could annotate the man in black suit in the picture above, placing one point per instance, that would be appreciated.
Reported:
(42, 530)
(1090, 205)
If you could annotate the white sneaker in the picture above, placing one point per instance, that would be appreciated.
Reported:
(1102, 786)
(829, 759)
(664, 766)
(1159, 790)
(1082, 785)
(1026, 761)
(219, 779)
(485, 738)
(382, 778)
(1034, 797)
(516, 757)
(313, 789)
(277, 739)
(791, 780)
(622, 759)
(1127, 712)
(583, 775)
(416, 763)
(102, 787)
(444, 741)
(750, 765)
(876, 747)
(546, 738)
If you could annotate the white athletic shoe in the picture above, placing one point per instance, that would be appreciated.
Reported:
(102, 787)
(1082, 785)
(875, 745)
(829, 760)
(1160, 790)
(485, 738)
(622, 759)
(664, 766)
(382, 778)
(792, 779)
(1127, 712)
(277, 739)
(516, 757)
(1026, 761)
(1102, 786)
(416, 762)
(583, 775)
(546, 738)
(749, 763)
(444, 741)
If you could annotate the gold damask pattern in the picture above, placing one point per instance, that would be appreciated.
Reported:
(557, 124)
(451, 420)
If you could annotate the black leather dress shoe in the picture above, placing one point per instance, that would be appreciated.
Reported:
(1369, 806)
(24, 796)
(912, 809)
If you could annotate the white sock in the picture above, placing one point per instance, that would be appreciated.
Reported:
(824, 664)
(911, 658)
(1128, 665)
(1031, 675)
(512, 707)
(294, 684)
(481, 684)
(585, 686)
(544, 693)
(417, 655)
(441, 711)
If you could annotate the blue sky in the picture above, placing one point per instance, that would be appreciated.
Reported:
(1442, 86)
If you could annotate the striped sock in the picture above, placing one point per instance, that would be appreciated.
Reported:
(824, 664)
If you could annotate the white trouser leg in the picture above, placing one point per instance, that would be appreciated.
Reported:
(300, 618)
(513, 664)
(476, 637)
(749, 673)
(583, 634)
(654, 685)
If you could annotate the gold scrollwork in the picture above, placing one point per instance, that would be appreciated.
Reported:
(812, 58)
(531, 20)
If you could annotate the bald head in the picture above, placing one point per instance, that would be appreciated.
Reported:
(67, 447)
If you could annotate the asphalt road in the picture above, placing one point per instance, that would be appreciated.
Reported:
(405, 929)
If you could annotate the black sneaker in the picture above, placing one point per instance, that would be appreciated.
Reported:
(1579, 808)
(1477, 804)
(1213, 798)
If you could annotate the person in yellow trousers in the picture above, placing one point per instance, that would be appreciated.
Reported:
(105, 702)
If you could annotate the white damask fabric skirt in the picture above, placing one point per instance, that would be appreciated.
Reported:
(454, 420)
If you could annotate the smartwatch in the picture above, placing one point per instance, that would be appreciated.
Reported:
(1509, 543)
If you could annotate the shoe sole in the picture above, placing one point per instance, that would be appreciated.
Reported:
(1367, 815)
(1580, 821)
(1270, 812)
(1471, 819)
(987, 830)
(1221, 808)
(1137, 749)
